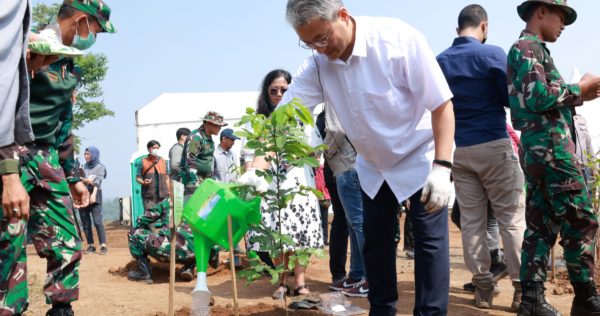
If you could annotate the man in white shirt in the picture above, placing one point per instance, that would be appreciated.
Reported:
(384, 83)
(225, 159)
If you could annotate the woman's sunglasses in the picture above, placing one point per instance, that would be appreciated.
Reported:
(274, 91)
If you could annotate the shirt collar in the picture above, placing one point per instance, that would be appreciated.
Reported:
(465, 40)
(525, 34)
(221, 150)
(528, 35)
(203, 132)
(360, 45)
(360, 40)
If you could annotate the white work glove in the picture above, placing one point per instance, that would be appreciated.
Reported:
(250, 178)
(437, 189)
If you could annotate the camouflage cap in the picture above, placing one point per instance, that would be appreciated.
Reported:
(215, 118)
(570, 14)
(95, 8)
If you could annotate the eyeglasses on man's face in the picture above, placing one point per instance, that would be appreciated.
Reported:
(318, 44)
(275, 91)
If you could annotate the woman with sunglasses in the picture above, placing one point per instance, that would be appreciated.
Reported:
(302, 217)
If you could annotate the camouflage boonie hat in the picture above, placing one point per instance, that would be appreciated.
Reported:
(95, 8)
(570, 14)
(215, 118)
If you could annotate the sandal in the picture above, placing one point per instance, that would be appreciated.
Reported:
(281, 291)
(300, 288)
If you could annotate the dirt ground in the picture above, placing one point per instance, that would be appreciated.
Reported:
(110, 293)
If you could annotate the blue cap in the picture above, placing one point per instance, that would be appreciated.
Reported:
(228, 132)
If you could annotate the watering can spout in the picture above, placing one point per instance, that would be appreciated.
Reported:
(202, 246)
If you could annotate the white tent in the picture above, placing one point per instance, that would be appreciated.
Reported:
(160, 119)
(591, 111)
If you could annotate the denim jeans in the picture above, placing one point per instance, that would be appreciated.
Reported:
(348, 187)
(87, 214)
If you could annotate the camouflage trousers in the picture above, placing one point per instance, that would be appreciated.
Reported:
(52, 229)
(144, 241)
(558, 201)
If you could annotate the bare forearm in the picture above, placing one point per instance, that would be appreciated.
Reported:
(442, 121)
(259, 162)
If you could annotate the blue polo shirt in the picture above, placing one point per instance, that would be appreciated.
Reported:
(476, 74)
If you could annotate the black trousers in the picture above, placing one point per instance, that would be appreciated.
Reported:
(338, 235)
(432, 256)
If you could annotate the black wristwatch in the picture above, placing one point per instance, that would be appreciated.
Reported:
(444, 163)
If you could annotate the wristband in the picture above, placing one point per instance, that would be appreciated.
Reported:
(9, 166)
(444, 163)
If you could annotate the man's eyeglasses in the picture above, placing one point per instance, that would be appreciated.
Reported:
(274, 91)
(319, 44)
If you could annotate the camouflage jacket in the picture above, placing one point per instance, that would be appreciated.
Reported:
(51, 111)
(197, 159)
(158, 217)
(159, 214)
(541, 103)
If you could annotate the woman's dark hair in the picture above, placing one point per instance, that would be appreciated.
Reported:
(264, 105)
(152, 143)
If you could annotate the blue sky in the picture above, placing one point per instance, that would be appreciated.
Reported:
(217, 46)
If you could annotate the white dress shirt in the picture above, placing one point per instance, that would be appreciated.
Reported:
(382, 95)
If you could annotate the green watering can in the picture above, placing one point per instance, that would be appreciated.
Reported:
(206, 212)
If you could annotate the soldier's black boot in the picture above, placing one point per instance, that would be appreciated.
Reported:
(60, 309)
(586, 301)
(533, 302)
(514, 306)
(145, 273)
(189, 270)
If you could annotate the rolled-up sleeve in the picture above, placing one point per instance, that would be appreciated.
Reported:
(9, 159)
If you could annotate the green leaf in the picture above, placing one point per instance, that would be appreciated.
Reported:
(316, 192)
(310, 161)
(274, 276)
(279, 141)
(243, 134)
(277, 119)
(321, 148)
(296, 148)
(304, 115)
(253, 144)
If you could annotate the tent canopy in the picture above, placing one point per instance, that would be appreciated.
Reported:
(160, 119)
(191, 107)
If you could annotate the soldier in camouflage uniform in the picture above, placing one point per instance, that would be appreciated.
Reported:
(48, 174)
(542, 107)
(197, 161)
(144, 242)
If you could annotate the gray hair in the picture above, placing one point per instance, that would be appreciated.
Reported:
(301, 12)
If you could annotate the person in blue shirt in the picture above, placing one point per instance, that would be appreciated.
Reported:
(485, 164)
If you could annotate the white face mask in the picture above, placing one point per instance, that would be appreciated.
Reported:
(154, 152)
